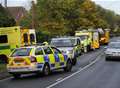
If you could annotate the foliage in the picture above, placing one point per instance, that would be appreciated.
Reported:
(63, 17)
(26, 21)
(5, 19)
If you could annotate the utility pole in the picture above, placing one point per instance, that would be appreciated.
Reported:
(33, 15)
(5, 3)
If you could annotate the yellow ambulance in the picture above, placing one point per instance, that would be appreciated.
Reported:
(14, 37)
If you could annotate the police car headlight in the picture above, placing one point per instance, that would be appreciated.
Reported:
(108, 52)
(69, 52)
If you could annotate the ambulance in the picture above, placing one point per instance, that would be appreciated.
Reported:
(104, 36)
(89, 38)
(14, 37)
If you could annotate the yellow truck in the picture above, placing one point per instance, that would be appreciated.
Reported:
(89, 39)
(14, 37)
(104, 36)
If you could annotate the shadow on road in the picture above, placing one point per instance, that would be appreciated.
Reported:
(40, 76)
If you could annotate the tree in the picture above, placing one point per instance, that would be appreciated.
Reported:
(5, 19)
(64, 17)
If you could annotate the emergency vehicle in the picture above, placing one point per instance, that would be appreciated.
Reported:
(104, 36)
(94, 34)
(69, 45)
(37, 59)
(89, 39)
(14, 37)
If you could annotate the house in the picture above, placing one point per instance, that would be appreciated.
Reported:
(17, 13)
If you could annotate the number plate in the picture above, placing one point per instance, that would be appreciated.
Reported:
(20, 69)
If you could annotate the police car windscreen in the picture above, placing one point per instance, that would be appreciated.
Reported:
(114, 45)
(63, 42)
(21, 52)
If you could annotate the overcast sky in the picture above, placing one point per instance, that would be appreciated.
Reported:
(25, 3)
(113, 5)
(108, 4)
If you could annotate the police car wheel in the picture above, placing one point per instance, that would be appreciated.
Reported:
(68, 66)
(88, 48)
(74, 61)
(16, 75)
(46, 70)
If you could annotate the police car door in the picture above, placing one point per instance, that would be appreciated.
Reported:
(39, 55)
(59, 58)
(49, 57)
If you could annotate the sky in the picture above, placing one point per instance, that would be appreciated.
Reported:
(25, 3)
(113, 5)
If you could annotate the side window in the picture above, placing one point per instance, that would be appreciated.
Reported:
(32, 38)
(38, 51)
(47, 50)
(3, 39)
(56, 51)
(25, 36)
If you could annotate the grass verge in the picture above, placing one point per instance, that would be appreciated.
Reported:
(3, 71)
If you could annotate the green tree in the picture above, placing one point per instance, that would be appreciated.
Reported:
(64, 17)
(5, 19)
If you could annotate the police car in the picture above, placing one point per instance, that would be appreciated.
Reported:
(39, 59)
(69, 45)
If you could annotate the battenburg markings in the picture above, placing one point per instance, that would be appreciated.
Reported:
(65, 57)
(56, 58)
(39, 66)
(46, 58)
(52, 65)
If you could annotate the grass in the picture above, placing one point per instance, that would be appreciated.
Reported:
(2, 67)
(3, 72)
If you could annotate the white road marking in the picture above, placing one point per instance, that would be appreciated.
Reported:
(12, 77)
(59, 79)
(58, 82)
(6, 79)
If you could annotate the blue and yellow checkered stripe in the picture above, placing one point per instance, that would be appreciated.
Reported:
(55, 61)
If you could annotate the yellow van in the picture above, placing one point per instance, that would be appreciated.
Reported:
(14, 37)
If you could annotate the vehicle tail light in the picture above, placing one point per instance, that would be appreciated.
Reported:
(26, 63)
(33, 59)
(11, 64)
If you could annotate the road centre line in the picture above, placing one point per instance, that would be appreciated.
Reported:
(87, 66)
(59, 79)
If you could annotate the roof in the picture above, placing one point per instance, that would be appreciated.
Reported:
(17, 12)
(64, 38)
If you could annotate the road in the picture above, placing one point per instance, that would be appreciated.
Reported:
(91, 71)
(101, 75)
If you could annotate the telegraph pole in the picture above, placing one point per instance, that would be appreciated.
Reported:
(33, 14)
(5, 3)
